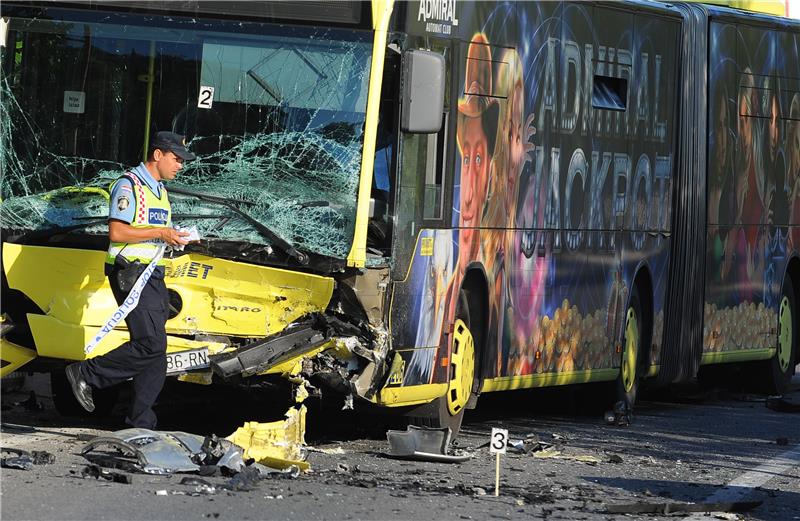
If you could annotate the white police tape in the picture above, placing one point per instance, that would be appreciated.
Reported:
(131, 301)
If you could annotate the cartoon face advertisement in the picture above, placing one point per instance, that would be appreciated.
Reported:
(559, 195)
(566, 136)
(753, 188)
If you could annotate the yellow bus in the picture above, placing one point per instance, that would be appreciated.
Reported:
(413, 203)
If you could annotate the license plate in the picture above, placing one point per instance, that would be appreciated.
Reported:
(182, 361)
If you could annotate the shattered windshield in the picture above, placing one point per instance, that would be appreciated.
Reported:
(274, 113)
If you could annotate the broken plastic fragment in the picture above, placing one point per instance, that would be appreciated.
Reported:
(94, 471)
(278, 444)
(423, 443)
(155, 452)
(300, 393)
(25, 460)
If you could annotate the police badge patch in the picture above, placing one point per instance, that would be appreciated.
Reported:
(123, 203)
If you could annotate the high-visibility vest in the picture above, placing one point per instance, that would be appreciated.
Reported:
(151, 211)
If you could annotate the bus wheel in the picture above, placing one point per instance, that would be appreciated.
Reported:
(776, 373)
(630, 367)
(462, 368)
(448, 410)
(67, 405)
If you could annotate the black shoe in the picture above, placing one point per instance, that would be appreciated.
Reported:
(81, 389)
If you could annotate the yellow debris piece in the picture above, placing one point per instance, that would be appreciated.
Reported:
(278, 444)
(300, 393)
(13, 356)
(549, 452)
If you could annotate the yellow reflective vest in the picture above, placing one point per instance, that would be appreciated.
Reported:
(151, 211)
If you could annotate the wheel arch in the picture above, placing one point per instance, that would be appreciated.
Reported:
(793, 272)
(476, 285)
(643, 282)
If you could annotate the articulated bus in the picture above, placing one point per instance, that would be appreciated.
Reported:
(413, 203)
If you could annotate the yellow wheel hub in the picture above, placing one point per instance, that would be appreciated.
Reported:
(631, 348)
(462, 368)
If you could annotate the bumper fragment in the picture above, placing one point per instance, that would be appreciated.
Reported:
(13, 356)
(260, 356)
(278, 444)
(423, 444)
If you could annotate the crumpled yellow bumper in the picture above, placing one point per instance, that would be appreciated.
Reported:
(215, 297)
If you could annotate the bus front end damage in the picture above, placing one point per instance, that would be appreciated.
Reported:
(279, 192)
(338, 348)
(241, 320)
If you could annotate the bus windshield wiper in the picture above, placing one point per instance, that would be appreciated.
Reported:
(262, 229)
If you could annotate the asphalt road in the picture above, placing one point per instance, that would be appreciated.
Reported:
(685, 447)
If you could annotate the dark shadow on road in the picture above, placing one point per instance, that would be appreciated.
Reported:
(778, 505)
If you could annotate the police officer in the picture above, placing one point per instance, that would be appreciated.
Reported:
(139, 222)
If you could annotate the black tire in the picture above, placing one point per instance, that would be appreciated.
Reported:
(632, 363)
(440, 415)
(67, 405)
(774, 375)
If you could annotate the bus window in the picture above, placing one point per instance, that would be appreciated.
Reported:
(609, 93)
(383, 180)
(434, 174)
(422, 177)
(281, 126)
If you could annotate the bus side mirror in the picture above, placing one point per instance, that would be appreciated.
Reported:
(423, 92)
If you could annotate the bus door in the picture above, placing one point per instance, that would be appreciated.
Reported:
(425, 177)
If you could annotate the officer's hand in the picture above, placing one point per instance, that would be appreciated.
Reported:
(174, 237)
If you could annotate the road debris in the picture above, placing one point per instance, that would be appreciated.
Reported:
(244, 481)
(621, 415)
(155, 452)
(24, 460)
(17, 462)
(94, 471)
(583, 458)
(191, 480)
(675, 507)
(528, 445)
(279, 444)
(614, 458)
(424, 444)
(201, 487)
(549, 452)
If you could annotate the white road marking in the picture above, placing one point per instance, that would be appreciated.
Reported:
(742, 487)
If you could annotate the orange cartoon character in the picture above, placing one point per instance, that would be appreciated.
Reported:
(476, 134)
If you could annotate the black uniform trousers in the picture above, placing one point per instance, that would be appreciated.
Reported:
(143, 357)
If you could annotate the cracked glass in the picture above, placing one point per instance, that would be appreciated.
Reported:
(280, 136)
